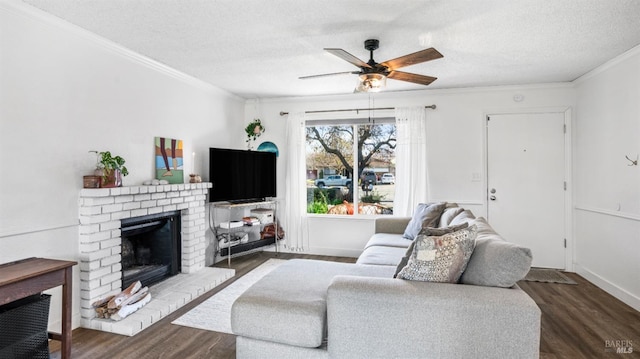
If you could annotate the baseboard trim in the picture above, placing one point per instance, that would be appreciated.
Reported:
(620, 293)
(55, 325)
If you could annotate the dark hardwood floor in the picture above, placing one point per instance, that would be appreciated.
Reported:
(577, 320)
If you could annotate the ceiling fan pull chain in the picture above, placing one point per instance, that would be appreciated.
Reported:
(373, 108)
(370, 107)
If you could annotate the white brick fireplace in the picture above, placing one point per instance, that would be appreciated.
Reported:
(100, 244)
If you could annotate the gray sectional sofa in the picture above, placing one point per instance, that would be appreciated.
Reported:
(319, 309)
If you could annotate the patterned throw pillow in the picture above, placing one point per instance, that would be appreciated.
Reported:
(429, 231)
(440, 258)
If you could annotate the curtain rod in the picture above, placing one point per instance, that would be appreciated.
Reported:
(282, 113)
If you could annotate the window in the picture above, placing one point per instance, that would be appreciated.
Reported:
(350, 164)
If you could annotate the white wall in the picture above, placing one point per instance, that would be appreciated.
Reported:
(607, 189)
(455, 145)
(64, 92)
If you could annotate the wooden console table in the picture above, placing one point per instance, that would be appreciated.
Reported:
(30, 276)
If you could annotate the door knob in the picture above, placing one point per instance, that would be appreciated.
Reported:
(493, 190)
(493, 198)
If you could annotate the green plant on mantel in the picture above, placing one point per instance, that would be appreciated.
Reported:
(108, 163)
(254, 129)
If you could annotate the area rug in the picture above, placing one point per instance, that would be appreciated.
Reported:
(215, 313)
(548, 276)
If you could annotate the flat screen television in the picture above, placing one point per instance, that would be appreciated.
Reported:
(241, 176)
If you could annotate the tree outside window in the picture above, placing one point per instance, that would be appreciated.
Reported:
(339, 181)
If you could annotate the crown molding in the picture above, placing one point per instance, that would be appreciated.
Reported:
(635, 51)
(391, 95)
(18, 8)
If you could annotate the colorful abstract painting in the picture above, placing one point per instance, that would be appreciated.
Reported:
(169, 160)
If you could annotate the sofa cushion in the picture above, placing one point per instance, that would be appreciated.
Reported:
(462, 217)
(382, 256)
(388, 240)
(288, 305)
(440, 258)
(391, 224)
(448, 215)
(485, 229)
(495, 262)
(425, 215)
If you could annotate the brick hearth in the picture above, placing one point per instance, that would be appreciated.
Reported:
(100, 245)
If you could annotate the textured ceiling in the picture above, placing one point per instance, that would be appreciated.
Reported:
(259, 48)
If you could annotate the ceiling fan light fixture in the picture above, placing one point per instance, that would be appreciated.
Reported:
(372, 82)
(372, 76)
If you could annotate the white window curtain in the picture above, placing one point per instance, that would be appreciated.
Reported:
(411, 160)
(294, 213)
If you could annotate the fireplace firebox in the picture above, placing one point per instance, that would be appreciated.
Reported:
(150, 248)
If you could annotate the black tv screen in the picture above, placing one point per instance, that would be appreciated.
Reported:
(239, 175)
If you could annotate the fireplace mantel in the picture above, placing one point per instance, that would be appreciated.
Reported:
(100, 245)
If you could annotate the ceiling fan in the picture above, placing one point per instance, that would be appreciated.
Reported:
(373, 75)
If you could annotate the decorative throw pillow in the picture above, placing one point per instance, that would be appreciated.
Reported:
(427, 232)
(440, 258)
(437, 232)
(448, 215)
(495, 262)
(465, 216)
(425, 215)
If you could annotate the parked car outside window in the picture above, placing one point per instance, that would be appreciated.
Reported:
(388, 178)
(369, 177)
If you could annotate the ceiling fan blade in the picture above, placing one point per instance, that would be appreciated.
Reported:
(415, 78)
(331, 74)
(348, 57)
(412, 59)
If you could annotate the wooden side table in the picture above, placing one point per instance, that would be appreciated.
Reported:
(30, 276)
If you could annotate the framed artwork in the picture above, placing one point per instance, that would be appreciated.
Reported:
(169, 160)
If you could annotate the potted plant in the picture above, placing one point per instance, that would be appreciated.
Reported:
(110, 169)
(254, 129)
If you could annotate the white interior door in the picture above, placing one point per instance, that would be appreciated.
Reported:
(526, 183)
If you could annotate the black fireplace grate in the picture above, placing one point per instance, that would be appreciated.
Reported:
(150, 248)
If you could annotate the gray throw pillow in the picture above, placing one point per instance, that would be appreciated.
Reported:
(448, 215)
(464, 216)
(425, 215)
(440, 258)
(429, 231)
(495, 262)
